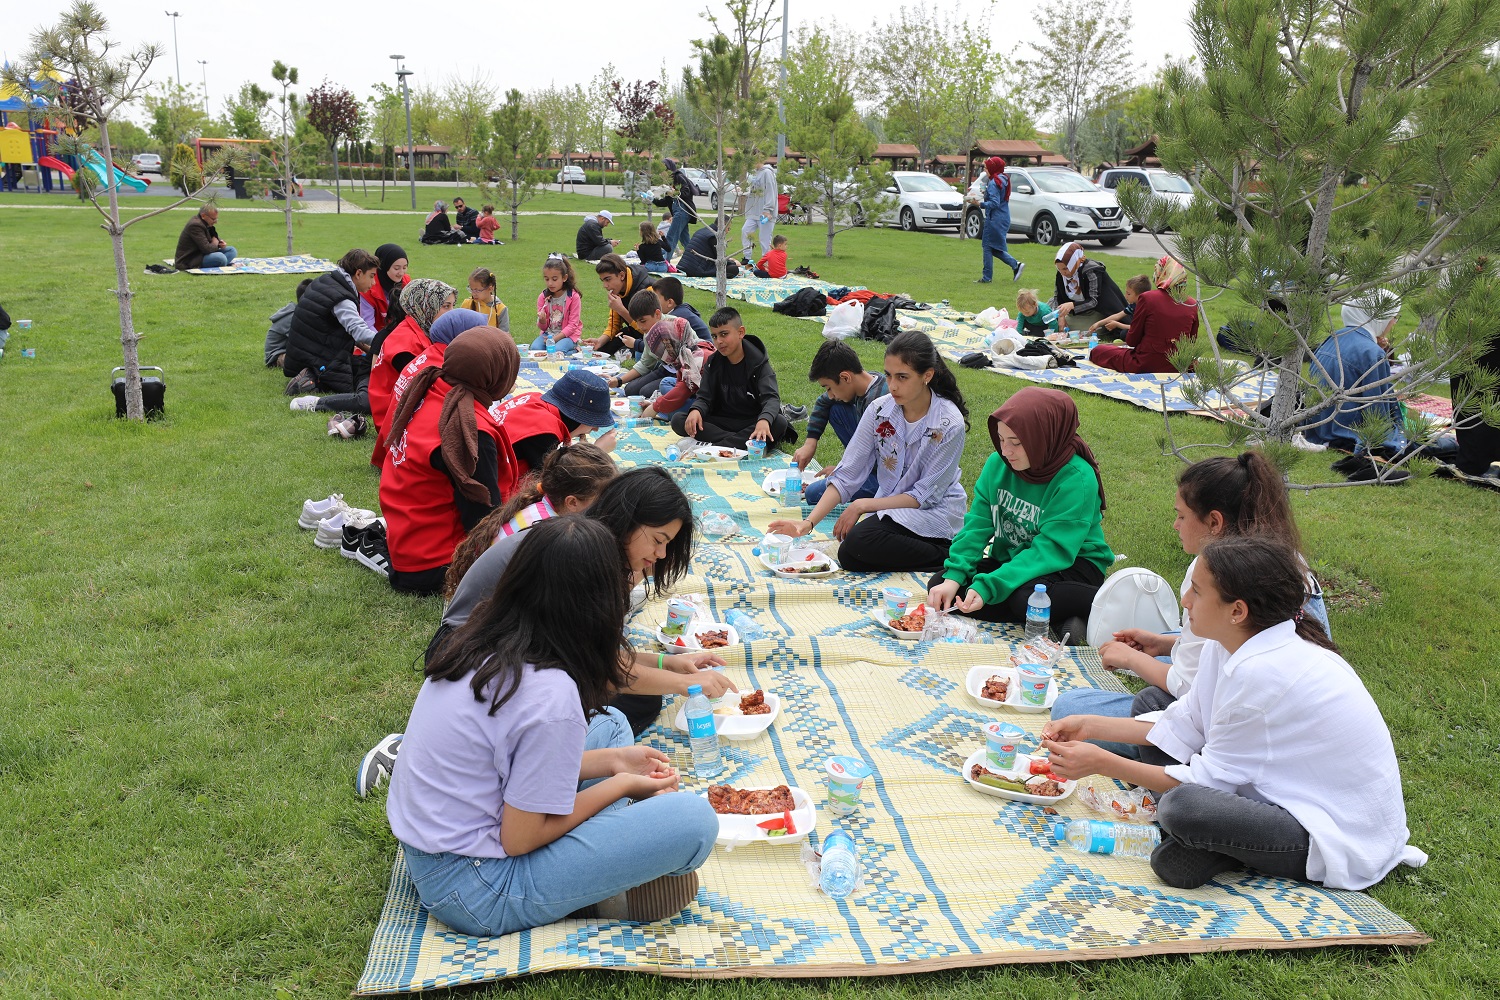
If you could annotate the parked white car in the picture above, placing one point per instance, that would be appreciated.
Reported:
(572, 173)
(1052, 205)
(922, 201)
(146, 163)
(1162, 183)
(702, 180)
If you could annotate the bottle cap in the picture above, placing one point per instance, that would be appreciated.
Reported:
(1060, 831)
(1041, 588)
(694, 689)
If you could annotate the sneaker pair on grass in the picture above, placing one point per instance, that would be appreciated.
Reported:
(366, 546)
(347, 425)
(315, 511)
(331, 529)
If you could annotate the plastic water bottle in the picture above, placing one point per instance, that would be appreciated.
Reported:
(791, 491)
(840, 869)
(702, 736)
(745, 625)
(674, 453)
(1038, 612)
(1093, 339)
(1098, 836)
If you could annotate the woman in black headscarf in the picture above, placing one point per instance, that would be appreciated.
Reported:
(389, 280)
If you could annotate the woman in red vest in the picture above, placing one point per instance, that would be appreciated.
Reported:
(423, 301)
(449, 464)
(390, 279)
(447, 326)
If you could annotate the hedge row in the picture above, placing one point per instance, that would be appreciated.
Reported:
(546, 176)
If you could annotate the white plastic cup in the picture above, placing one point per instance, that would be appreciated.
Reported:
(896, 600)
(1000, 741)
(23, 324)
(846, 775)
(778, 548)
(1035, 678)
(679, 617)
(756, 448)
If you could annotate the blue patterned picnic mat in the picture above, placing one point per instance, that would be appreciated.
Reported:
(295, 264)
(953, 878)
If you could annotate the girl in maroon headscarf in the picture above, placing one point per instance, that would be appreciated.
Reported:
(997, 220)
(1035, 519)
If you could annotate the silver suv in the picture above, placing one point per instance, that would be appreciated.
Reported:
(1052, 205)
(1162, 183)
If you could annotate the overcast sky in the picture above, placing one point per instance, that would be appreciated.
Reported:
(520, 44)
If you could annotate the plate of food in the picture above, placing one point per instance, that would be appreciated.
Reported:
(908, 626)
(700, 635)
(1000, 687)
(765, 815)
(803, 564)
(539, 355)
(740, 715)
(717, 453)
(1030, 780)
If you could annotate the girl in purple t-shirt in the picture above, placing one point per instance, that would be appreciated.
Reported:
(517, 797)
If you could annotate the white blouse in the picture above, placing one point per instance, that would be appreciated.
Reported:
(1287, 722)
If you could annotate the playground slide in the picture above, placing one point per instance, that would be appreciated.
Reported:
(95, 162)
(53, 163)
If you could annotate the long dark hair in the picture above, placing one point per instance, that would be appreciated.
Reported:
(573, 470)
(1248, 490)
(563, 565)
(917, 352)
(1267, 574)
(648, 497)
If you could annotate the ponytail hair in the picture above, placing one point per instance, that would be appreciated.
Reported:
(1266, 574)
(917, 352)
(1248, 490)
(573, 470)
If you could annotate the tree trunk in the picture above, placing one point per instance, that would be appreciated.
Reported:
(828, 209)
(721, 279)
(135, 407)
(515, 208)
(338, 197)
(286, 172)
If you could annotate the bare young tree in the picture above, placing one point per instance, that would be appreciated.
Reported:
(286, 116)
(101, 86)
(1085, 62)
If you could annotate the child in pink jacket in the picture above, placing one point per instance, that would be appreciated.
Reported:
(559, 309)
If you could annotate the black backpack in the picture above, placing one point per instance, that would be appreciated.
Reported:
(881, 321)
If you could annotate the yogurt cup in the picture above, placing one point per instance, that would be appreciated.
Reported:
(756, 448)
(636, 404)
(679, 616)
(778, 548)
(896, 600)
(23, 324)
(845, 776)
(1000, 741)
(1035, 678)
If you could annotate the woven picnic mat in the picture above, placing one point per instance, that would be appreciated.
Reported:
(296, 264)
(953, 878)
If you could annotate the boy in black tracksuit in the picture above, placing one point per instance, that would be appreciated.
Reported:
(738, 398)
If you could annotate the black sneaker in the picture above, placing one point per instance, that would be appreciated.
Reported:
(376, 768)
(349, 546)
(372, 554)
(301, 383)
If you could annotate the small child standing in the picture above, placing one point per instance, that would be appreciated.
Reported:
(1034, 318)
(773, 264)
(559, 309)
(482, 299)
(488, 224)
(1120, 321)
(652, 249)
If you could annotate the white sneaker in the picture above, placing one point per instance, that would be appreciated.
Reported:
(314, 511)
(331, 529)
(1301, 443)
(304, 404)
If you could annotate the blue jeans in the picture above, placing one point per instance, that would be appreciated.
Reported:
(219, 258)
(678, 231)
(666, 385)
(626, 845)
(654, 266)
(990, 253)
(564, 346)
(844, 419)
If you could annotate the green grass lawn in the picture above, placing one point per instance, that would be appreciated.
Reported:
(189, 683)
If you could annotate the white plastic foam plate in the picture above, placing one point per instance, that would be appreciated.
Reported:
(738, 831)
(974, 684)
(799, 558)
(879, 616)
(1020, 772)
(690, 642)
(737, 727)
(717, 453)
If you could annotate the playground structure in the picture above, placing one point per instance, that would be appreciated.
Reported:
(25, 150)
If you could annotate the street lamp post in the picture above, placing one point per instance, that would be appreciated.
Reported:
(780, 90)
(411, 151)
(176, 55)
(203, 64)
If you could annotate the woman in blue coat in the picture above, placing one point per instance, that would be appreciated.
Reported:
(997, 220)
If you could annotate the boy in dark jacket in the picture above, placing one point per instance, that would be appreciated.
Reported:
(669, 291)
(738, 399)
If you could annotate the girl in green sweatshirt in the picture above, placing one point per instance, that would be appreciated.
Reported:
(1036, 518)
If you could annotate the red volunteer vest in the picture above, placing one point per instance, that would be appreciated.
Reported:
(407, 338)
(528, 415)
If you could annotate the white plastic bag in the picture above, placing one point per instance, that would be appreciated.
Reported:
(992, 317)
(844, 320)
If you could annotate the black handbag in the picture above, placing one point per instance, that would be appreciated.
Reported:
(153, 391)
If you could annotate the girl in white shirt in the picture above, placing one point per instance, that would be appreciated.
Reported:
(1277, 758)
(1216, 498)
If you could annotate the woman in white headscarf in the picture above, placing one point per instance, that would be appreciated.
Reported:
(1353, 361)
(1083, 287)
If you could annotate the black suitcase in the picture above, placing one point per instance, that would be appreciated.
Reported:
(153, 391)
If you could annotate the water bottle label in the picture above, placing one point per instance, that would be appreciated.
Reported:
(701, 727)
(1101, 837)
(1038, 614)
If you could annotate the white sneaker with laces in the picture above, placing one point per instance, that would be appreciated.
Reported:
(314, 511)
(304, 404)
(331, 529)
